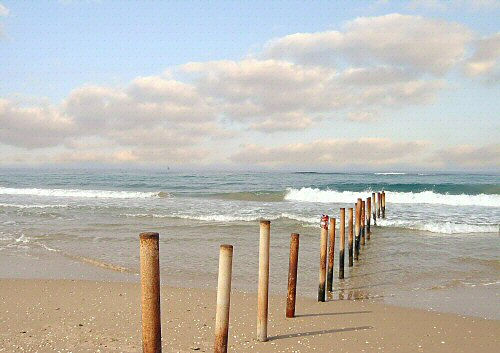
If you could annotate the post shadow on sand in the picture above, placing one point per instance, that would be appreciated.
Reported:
(319, 332)
(332, 314)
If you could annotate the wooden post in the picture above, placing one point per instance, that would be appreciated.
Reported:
(379, 204)
(350, 237)
(369, 215)
(357, 233)
(263, 291)
(374, 209)
(383, 204)
(150, 292)
(292, 275)
(331, 254)
(322, 258)
(342, 243)
(363, 230)
(223, 298)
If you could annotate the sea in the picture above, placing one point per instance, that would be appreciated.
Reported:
(438, 247)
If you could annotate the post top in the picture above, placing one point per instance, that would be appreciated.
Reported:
(295, 235)
(265, 221)
(149, 235)
(226, 247)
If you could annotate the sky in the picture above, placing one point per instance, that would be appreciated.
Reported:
(282, 85)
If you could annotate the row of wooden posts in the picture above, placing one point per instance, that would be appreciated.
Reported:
(150, 272)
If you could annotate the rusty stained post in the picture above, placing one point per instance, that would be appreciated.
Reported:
(374, 209)
(292, 275)
(357, 230)
(383, 204)
(322, 258)
(350, 211)
(369, 215)
(363, 230)
(342, 243)
(223, 298)
(263, 290)
(331, 254)
(379, 204)
(150, 292)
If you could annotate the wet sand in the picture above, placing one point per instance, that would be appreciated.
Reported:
(95, 316)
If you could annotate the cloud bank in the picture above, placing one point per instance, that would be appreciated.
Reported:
(201, 111)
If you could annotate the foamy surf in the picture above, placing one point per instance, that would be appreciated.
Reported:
(424, 197)
(440, 227)
(80, 193)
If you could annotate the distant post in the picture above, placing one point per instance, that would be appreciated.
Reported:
(363, 231)
(357, 230)
(150, 292)
(383, 204)
(350, 237)
(342, 243)
(368, 214)
(331, 254)
(322, 258)
(379, 204)
(263, 291)
(292, 275)
(223, 298)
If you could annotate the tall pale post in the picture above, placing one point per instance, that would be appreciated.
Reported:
(150, 292)
(223, 298)
(322, 258)
(363, 230)
(374, 209)
(263, 291)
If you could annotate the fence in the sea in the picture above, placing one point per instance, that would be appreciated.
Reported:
(150, 271)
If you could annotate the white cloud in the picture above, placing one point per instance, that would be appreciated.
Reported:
(362, 116)
(485, 61)
(412, 42)
(4, 11)
(468, 156)
(332, 153)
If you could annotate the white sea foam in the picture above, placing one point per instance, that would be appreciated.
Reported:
(78, 193)
(440, 227)
(31, 206)
(424, 197)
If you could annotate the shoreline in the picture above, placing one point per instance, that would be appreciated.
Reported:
(84, 316)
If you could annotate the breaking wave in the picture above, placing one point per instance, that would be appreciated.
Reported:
(81, 193)
(424, 197)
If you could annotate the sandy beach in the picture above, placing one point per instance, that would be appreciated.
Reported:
(92, 316)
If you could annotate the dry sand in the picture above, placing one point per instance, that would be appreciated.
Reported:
(88, 316)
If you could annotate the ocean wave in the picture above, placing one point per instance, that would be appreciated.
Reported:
(424, 197)
(440, 227)
(81, 193)
(390, 173)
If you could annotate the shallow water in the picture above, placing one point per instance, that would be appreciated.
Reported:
(437, 248)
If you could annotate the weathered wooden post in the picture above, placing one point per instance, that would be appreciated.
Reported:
(292, 275)
(374, 209)
(322, 258)
(331, 254)
(357, 234)
(342, 243)
(383, 204)
(350, 211)
(150, 292)
(223, 298)
(379, 204)
(363, 232)
(263, 291)
(369, 215)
